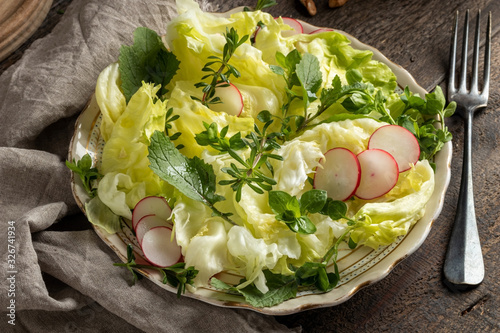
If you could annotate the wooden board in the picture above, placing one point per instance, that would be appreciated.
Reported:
(19, 19)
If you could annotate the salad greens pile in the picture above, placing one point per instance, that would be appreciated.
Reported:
(240, 187)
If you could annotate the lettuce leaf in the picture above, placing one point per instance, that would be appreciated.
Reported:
(124, 162)
(385, 221)
(300, 158)
(208, 252)
(120, 193)
(99, 214)
(253, 255)
(110, 98)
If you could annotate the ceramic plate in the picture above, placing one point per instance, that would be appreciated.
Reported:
(358, 268)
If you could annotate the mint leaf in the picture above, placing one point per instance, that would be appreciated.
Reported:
(146, 60)
(310, 77)
(191, 176)
(281, 288)
(315, 274)
(330, 96)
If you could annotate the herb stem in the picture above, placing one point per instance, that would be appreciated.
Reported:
(211, 92)
(333, 251)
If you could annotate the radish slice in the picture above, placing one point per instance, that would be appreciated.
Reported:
(379, 173)
(151, 205)
(147, 223)
(231, 99)
(399, 142)
(158, 248)
(340, 174)
(294, 24)
(317, 31)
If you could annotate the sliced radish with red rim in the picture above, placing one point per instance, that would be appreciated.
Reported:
(148, 206)
(147, 223)
(399, 142)
(379, 173)
(339, 174)
(297, 28)
(159, 248)
(231, 100)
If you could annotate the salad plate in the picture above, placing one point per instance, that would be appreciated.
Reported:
(358, 268)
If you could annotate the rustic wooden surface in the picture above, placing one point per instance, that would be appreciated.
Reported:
(414, 34)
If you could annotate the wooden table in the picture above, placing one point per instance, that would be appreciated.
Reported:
(416, 35)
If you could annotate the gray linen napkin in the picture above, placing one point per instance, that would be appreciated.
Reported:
(61, 277)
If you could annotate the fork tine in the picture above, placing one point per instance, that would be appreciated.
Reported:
(487, 59)
(453, 58)
(475, 63)
(465, 46)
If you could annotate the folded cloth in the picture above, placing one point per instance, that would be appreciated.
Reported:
(57, 274)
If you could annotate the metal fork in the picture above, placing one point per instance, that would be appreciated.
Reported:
(464, 267)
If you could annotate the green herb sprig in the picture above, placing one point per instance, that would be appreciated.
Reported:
(88, 175)
(219, 77)
(218, 140)
(419, 117)
(176, 275)
(169, 118)
(261, 144)
(302, 75)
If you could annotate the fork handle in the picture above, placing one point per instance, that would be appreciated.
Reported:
(464, 267)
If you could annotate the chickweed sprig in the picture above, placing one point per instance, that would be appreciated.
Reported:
(88, 175)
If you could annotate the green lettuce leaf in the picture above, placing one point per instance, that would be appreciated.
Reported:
(100, 215)
(386, 220)
(110, 98)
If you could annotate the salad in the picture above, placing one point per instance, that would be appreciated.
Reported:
(242, 144)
